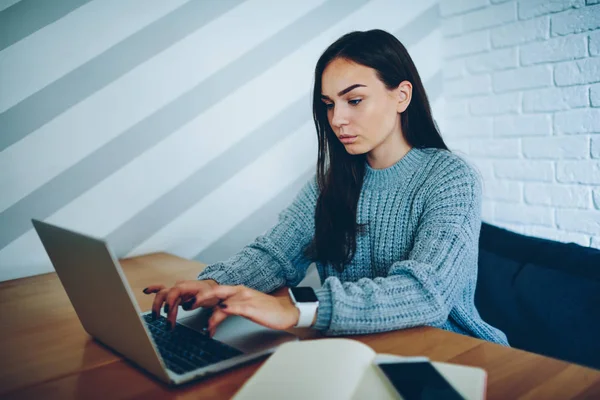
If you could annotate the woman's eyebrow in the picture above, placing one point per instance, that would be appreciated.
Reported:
(343, 92)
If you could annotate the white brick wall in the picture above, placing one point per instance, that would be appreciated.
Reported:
(595, 95)
(522, 125)
(556, 49)
(556, 99)
(577, 72)
(596, 147)
(520, 32)
(577, 20)
(522, 95)
(522, 78)
(594, 43)
(557, 147)
(534, 8)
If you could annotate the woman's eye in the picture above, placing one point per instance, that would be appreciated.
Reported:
(329, 106)
(355, 102)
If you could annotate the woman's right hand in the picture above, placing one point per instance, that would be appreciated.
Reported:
(189, 294)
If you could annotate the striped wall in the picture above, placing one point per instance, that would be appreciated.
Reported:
(182, 126)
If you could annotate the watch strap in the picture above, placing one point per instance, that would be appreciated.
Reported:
(307, 314)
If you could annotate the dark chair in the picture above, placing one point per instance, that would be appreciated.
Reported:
(543, 294)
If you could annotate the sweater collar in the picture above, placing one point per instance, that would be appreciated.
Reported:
(403, 169)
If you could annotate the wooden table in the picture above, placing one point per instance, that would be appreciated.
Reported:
(45, 353)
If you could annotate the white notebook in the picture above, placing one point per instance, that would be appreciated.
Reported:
(343, 369)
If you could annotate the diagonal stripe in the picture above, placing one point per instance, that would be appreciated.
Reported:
(215, 214)
(4, 4)
(39, 108)
(28, 16)
(80, 177)
(254, 224)
(57, 49)
(116, 108)
(189, 192)
(434, 87)
(260, 221)
(419, 27)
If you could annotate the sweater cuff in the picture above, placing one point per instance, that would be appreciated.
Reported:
(218, 275)
(324, 310)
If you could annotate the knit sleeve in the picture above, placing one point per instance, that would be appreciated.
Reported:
(422, 289)
(275, 258)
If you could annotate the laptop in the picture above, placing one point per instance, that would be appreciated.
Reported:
(108, 311)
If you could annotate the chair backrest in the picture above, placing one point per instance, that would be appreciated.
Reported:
(544, 295)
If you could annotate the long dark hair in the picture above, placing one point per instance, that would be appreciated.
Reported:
(339, 174)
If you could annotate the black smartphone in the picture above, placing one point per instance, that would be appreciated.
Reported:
(419, 381)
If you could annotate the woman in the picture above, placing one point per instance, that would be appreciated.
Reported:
(392, 219)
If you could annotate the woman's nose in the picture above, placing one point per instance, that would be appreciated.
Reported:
(339, 117)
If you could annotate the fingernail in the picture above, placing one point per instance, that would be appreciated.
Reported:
(223, 305)
(145, 290)
(189, 304)
(166, 308)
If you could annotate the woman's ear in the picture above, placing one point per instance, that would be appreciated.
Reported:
(404, 92)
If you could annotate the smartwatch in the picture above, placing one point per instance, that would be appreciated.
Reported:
(306, 301)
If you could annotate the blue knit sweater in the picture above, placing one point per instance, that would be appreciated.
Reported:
(415, 263)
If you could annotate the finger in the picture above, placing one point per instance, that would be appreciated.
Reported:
(224, 292)
(172, 296)
(188, 291)
(158, 302)
(201, 296)
(243, 308)
(205, 297)
(216, 318)
(153, 289)
(189, 304)
(191, 289)
(236, 306)
(172, 315)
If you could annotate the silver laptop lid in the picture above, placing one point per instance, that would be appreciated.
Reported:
(101, 296)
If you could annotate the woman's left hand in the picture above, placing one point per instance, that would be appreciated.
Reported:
(270, 311)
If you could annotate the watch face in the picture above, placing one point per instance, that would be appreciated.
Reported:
(304, 294)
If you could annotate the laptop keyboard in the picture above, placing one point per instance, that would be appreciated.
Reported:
(184, 349)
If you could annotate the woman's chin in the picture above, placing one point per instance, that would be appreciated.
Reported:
(354, 150)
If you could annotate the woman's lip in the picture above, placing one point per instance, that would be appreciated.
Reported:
(348, 139)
